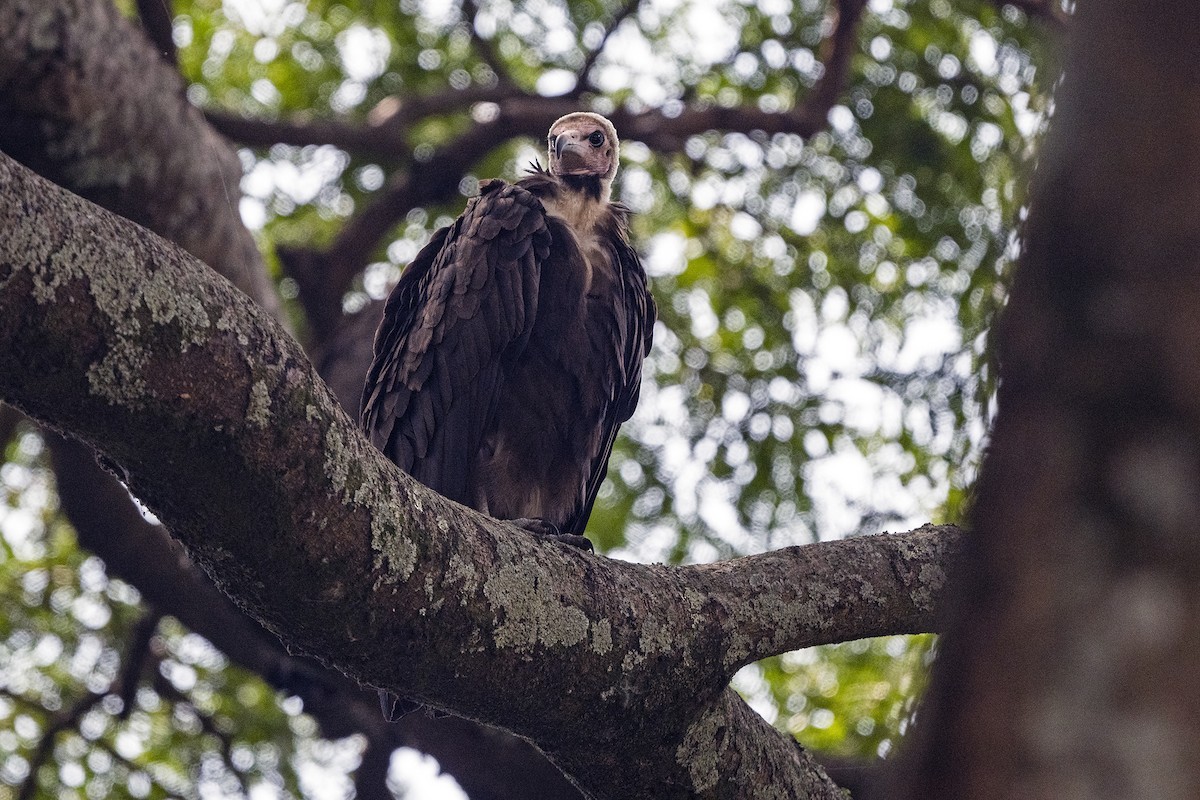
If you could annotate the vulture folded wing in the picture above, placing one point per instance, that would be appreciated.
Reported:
(462, 309)
(632, 339)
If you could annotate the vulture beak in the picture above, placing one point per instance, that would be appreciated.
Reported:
(570, 154)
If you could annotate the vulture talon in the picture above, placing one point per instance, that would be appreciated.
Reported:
(548, 530)
(575, 540)
(536, 526)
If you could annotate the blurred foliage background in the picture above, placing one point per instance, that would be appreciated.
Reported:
(820, 368)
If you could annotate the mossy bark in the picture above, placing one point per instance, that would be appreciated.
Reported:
(217, 421)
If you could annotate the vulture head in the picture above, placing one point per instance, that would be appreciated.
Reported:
(584, 143)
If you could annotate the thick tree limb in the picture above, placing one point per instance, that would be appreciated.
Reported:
(175, 176)
(865, 586)
(617, 670)
(109, 525)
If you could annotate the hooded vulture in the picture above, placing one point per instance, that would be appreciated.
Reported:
(511, 349)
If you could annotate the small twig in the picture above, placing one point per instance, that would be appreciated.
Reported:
(67, 718)
(836, 52)
(9, 419)
(623, 13)
(135, 662)
(484, 47)
(168, 691)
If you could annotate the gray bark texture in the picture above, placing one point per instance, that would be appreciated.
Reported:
(484, 760)
(1070, 671)
(90, 104)
(216, 419)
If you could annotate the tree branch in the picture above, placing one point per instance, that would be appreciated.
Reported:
(836, 52)
(370, 779)
(136, 656)
(131, 664)
(623, 13)
(484, 47)
(383, 136)
(176, 176)
(67, 718)
(227, 433)
(109, 525)
(833, 592)
(325, 276)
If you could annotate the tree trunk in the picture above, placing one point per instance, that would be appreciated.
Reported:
(1071, 670)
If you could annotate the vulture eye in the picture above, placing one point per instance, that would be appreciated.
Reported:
(597, 138)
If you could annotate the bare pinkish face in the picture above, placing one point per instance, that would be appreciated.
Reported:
(583, 144)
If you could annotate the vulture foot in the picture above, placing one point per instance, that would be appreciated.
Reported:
(548, 530)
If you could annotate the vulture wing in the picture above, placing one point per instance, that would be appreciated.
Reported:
(631, 339)
(461, 311)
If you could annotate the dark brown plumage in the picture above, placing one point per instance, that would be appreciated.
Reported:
(510, 351)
